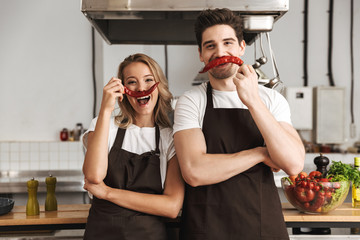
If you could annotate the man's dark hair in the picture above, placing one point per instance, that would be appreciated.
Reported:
(211, 17)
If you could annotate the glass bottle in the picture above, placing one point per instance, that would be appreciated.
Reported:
(64, 135)
(356, 190)
(78, 131)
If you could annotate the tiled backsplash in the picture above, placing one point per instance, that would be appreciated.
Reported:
(41, 156)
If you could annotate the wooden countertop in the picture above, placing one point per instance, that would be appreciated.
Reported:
(66, 214)
(77, 214)
(344, 213)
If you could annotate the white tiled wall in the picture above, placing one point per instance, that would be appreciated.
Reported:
(41, 156)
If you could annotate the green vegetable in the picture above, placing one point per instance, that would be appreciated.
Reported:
(288, 179)
(338, 196)
(344, 172)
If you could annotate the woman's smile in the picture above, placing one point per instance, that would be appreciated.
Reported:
(143, 100)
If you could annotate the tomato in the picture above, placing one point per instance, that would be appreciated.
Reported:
(315, 174)
(317, 203)
(336, 185)
(310, 185)
(302, 175)
(310, 194)
(324, 180)
(304, 195)
(303, 184)
(328, 194)
(293, 179)
(317, 188)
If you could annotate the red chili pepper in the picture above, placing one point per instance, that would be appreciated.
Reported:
(222, 60)
(137, 94)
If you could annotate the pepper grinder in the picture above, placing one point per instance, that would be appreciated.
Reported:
(32, 206)
(321, 163)
(50, 202)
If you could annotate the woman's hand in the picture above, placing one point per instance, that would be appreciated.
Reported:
(99, 190)
(246, 82)
(114, 89)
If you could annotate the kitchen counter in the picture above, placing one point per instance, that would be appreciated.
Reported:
(342, 217)
(72, 216)
(75, 216)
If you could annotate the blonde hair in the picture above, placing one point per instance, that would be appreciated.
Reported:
(163, 104)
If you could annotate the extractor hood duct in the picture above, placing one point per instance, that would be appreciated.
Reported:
(172, 22)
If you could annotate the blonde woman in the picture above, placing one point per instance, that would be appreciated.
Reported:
(130, 164)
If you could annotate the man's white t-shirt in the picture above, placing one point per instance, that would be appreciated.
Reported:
(140, 140)
(190, 108)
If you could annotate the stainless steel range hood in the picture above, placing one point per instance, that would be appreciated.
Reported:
(171, 22)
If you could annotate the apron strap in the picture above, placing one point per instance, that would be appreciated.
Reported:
(119, 137)
(157, 138)
(209, 96)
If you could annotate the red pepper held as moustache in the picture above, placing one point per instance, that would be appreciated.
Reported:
(137, 94)
(222, 60)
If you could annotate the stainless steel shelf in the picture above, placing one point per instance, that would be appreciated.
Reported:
(67, 180)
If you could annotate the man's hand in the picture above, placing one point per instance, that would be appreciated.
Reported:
(246, 82)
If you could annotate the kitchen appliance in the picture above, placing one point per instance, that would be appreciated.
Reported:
(329, 112)
(171, 22)
(300, 100)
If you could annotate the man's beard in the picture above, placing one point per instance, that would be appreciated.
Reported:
(223, 73)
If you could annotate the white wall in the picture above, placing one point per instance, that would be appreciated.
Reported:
(45, 68)
(50, 62)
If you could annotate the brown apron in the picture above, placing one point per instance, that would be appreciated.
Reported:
(139, 173)
(246, 206)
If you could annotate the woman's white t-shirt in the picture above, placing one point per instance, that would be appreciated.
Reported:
(140, 140)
